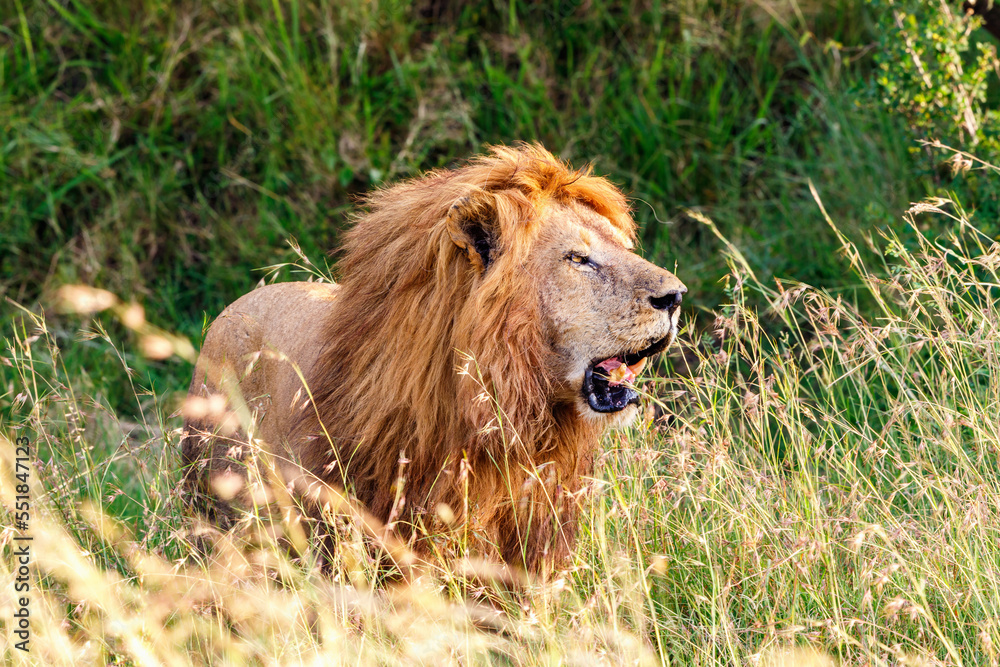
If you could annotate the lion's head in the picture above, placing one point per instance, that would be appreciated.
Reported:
(560, 243)
(604, 309)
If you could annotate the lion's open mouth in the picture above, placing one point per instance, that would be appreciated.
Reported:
(607, 383)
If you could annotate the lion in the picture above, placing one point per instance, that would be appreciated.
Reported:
(485, 331)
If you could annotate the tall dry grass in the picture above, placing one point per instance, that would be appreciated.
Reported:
(819, 476)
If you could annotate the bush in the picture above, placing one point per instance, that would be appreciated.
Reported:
(937, 70)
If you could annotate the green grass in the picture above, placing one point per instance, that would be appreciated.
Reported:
(828, 473)
(167, 151)
(188, 141)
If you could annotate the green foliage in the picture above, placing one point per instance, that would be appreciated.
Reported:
(187, 141)
(929, 72)
(940, 74)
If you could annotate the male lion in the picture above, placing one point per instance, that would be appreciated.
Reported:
(484, 334)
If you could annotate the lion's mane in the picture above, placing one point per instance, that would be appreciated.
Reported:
(432, 387)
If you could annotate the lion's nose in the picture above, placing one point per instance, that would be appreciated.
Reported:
(669, 299)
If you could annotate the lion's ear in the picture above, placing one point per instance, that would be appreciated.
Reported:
(471, 223)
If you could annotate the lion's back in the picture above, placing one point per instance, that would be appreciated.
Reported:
(252, 355)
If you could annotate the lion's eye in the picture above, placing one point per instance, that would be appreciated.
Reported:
(577, 258)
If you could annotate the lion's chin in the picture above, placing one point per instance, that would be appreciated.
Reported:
(613, 420)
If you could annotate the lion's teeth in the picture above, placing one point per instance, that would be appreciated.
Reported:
(637, 367)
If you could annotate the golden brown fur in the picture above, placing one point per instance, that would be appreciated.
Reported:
(445, 368)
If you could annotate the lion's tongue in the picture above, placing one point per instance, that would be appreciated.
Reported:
(618, 371)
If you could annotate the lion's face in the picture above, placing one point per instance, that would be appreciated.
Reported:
(605, 309)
